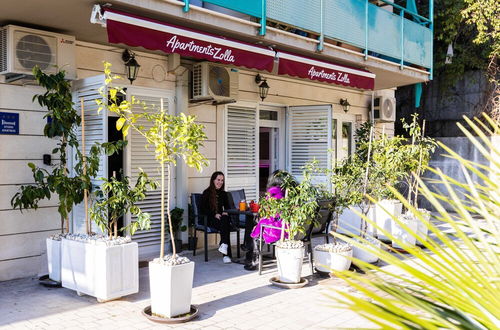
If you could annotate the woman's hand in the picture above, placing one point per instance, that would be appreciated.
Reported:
(224, 213)
(217, 216)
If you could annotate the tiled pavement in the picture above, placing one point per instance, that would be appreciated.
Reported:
(228, 297)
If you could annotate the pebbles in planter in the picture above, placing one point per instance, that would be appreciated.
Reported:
(58, 237)
(328, 257)
(290, 244)
(99, 239)
(169, 260)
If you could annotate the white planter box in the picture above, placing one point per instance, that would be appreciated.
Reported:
(401, 234)
(54, 259)
(289, 264)
(422, 229)
(104, 272)
(366, 256)
(350, 222)
(171, 288)
(383, 217)
(327, 261)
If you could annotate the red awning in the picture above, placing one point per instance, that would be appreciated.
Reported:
(304, 67)
(138, 31)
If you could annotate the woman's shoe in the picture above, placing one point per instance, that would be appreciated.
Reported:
(223, 248)
(250, 267)
(226, 260)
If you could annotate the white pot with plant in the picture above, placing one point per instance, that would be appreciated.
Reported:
(332, 256)
(418, 153)
(400, 234)
(69, 189)
(385, 210)
(297, 211)
(170, 137)
(107, 267)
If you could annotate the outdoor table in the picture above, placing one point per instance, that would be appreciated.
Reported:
(251, 219)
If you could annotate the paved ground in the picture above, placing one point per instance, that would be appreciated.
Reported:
(228, 297)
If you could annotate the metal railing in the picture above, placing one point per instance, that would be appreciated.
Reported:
(375, 31)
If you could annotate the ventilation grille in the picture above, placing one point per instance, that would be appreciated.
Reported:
(197, 81)
(3, 50)
(32, 49)
(219, 81)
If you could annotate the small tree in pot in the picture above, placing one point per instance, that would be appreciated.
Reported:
(297, 210)
(170, 137)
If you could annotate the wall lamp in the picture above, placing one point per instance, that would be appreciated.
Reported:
(131, 65)
(263, 86)
(345, 105)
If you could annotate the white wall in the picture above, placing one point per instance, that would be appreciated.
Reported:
(22, 235)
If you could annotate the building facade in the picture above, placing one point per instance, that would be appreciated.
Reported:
(203, 58)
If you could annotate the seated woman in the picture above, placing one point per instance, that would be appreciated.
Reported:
(213, 203)
(275, 189)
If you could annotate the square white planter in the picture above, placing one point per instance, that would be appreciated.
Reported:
(104, 272)
(54, 259)
(171, 288)
(350, 222)
(384, 218)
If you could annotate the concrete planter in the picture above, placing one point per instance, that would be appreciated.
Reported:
(364, 254)
(171, 288)
(289, 264)
(325, 261)
(422, 230)
(384, 217)
(98, 270)
(398, 232)
(350, 222)
(54, 259)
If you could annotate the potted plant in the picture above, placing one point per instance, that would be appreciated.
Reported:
(62, 122)
(332, 256)
(107, 267)
(170, 137)
(176, 216)
(418, 155)
(297, 210)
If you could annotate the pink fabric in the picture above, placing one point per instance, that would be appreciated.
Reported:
(270, 235)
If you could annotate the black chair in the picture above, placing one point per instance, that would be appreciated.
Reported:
(322, 226)
(200, 223)
(234, 197)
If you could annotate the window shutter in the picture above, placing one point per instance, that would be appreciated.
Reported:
(96, 130)
(141, 158)
(241, 151)
(309, 132)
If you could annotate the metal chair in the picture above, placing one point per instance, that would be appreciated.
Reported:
(201, 223)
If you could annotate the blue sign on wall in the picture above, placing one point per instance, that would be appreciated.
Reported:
(9, 123)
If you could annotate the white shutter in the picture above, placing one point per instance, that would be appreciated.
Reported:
(96, 130)
(241, 151)
(309, 132)
(140, 157)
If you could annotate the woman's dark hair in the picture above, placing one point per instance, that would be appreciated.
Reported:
(280, 178)
(212, 191)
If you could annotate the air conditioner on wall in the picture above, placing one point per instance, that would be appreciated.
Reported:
(384, 109)
(23, 48)
(216, 83)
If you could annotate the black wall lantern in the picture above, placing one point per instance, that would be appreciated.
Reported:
(345, 105)
(130, 64)
(263, 86)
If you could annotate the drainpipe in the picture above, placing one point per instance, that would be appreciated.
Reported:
(181, 105)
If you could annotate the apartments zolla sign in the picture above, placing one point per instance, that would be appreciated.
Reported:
(303, 67)
(155, 35)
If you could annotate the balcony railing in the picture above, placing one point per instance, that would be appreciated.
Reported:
(401, 36)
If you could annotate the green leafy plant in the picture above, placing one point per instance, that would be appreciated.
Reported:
(64, 122)
(453, 284)
(115, 199)
(298, 208)
(176, 216)
(169, 136)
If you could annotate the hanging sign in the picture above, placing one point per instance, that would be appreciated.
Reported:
(9, 123)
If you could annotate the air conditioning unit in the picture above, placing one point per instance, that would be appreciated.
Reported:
(214, 82)
(384, 109)
(22, 48)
